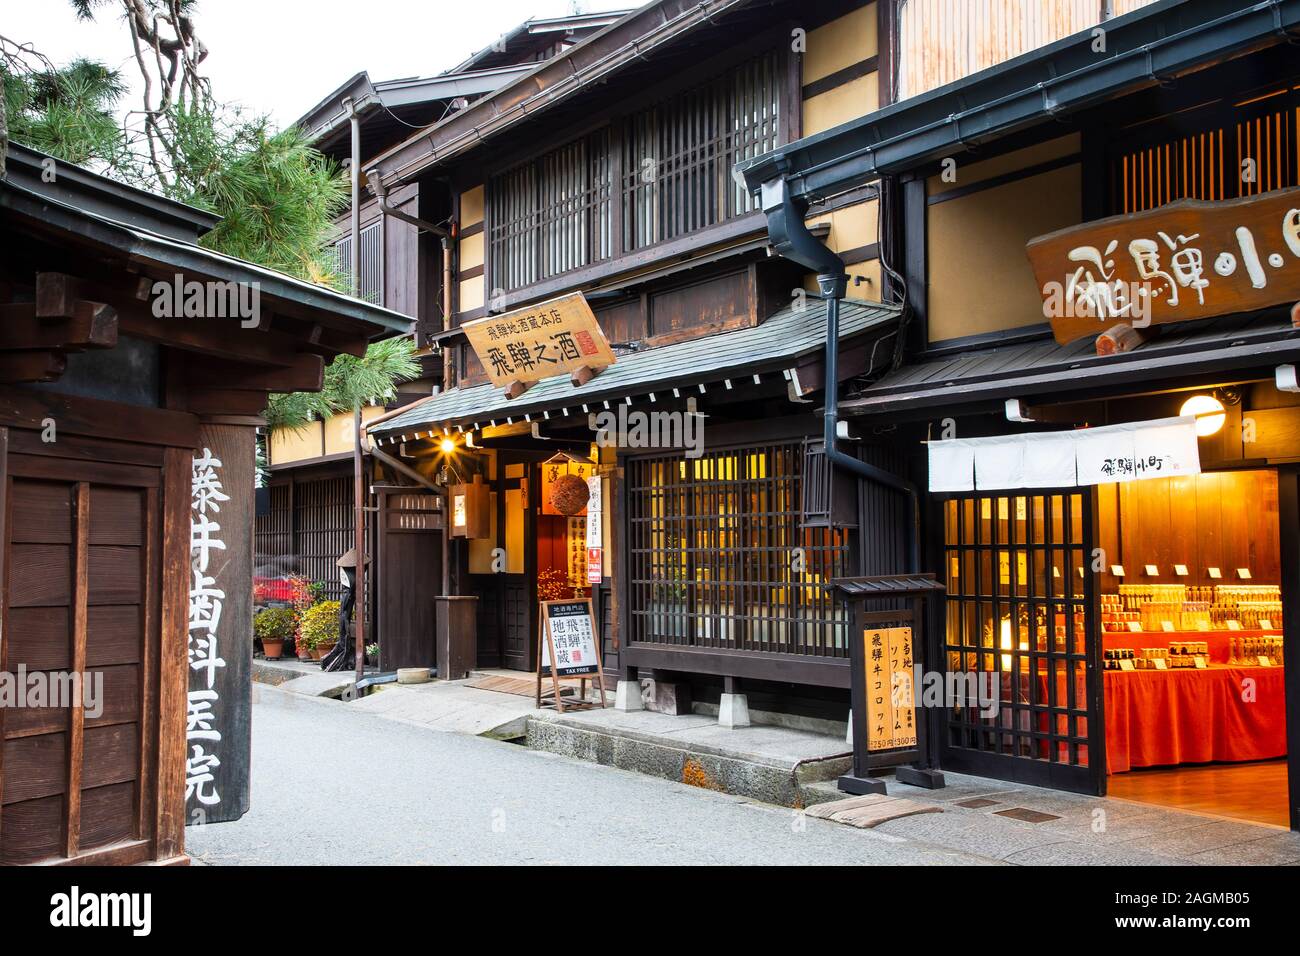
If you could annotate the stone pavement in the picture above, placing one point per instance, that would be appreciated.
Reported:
(796, 768)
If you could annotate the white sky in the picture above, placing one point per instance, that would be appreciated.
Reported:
(283, 56)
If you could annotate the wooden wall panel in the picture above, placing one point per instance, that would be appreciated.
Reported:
(40, 575)
(32, 831)
(112, 755)
(107, 814)
(942, 41)
(1225, 520)
(35, 767)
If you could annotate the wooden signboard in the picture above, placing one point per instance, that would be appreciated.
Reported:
(568, 649)
(1186, 260)
(551, 338)
(891, 705)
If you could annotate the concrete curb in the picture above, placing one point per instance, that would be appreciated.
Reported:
(756, 776)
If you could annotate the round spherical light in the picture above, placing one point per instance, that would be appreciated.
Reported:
(447, 446)
(1208, 411)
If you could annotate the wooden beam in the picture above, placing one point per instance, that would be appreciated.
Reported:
(225, 401)
(38, 366)
(305, 373)
(74, 415)
(173, 670)
(93, 325)
(218, 337)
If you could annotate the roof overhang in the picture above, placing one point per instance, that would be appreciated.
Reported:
(163, 258)
(632, 38)
(777, 344)
(1223, 351)
(82, 188)
(1150, 46)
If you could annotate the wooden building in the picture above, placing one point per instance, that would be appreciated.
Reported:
(607, 170)
(1134, 618)
(128, 407)
(307, 518)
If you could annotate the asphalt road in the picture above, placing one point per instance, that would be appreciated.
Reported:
(333, 786)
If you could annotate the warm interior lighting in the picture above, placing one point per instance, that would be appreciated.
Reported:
(447, 446)
(1208, 411)
(1006, 643)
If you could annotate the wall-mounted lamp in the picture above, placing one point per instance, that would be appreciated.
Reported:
(1208, 411)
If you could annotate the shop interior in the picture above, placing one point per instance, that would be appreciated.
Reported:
(1191, 619)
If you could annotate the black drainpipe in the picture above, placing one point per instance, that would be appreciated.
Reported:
(790, 238)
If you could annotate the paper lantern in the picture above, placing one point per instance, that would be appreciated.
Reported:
(569, 494)
(471, 515)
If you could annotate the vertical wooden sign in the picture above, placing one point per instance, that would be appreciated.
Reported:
(219, 708)
(891, 705)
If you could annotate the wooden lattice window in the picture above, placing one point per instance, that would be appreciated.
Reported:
(717, 557)
(552, 214)
(671, 176)
(372, 273)
(678, 156)
(1222, 152)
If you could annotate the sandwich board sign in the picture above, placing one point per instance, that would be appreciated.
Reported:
(567, 650)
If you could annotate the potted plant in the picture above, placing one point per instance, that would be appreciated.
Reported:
(372, 654)
(273, 626)
(320, 627)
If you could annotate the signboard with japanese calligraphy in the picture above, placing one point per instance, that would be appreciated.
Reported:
(219, 701)
(530, 344)
(568, 648)
(891, 707)
(1185, 260)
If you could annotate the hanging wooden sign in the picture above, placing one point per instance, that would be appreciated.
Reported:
(551, 338)
(567, 649)
(1185, 260)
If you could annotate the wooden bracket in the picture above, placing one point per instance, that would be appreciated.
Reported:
(584, 374)
(517, 388)
(1123, 338)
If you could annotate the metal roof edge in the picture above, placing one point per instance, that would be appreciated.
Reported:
(598, 393)
(503, 108)
(1143, 47)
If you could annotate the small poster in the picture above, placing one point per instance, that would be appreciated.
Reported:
(569, 630)
(891, 706)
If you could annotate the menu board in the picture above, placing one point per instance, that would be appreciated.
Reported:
(568, 630)
(891, 706)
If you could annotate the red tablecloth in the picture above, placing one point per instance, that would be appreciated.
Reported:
(1219, 641)
(1157, 718)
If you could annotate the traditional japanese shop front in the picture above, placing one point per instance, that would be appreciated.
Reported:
(1113, 499)
(1118, 532)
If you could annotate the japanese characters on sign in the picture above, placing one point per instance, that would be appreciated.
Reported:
(551, 338)
(202, 735)
(891, 704)
(569, 630)
(1130, 451)
(1186, 260)
(593, 537)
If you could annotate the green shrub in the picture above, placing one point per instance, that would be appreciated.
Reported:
(320, 624)
(274, 624)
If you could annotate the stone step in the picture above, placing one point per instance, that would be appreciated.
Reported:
(772, 764)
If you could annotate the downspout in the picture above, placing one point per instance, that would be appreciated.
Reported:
(791, 239)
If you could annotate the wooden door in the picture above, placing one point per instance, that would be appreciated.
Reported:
(409, 578)
(82, 571)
